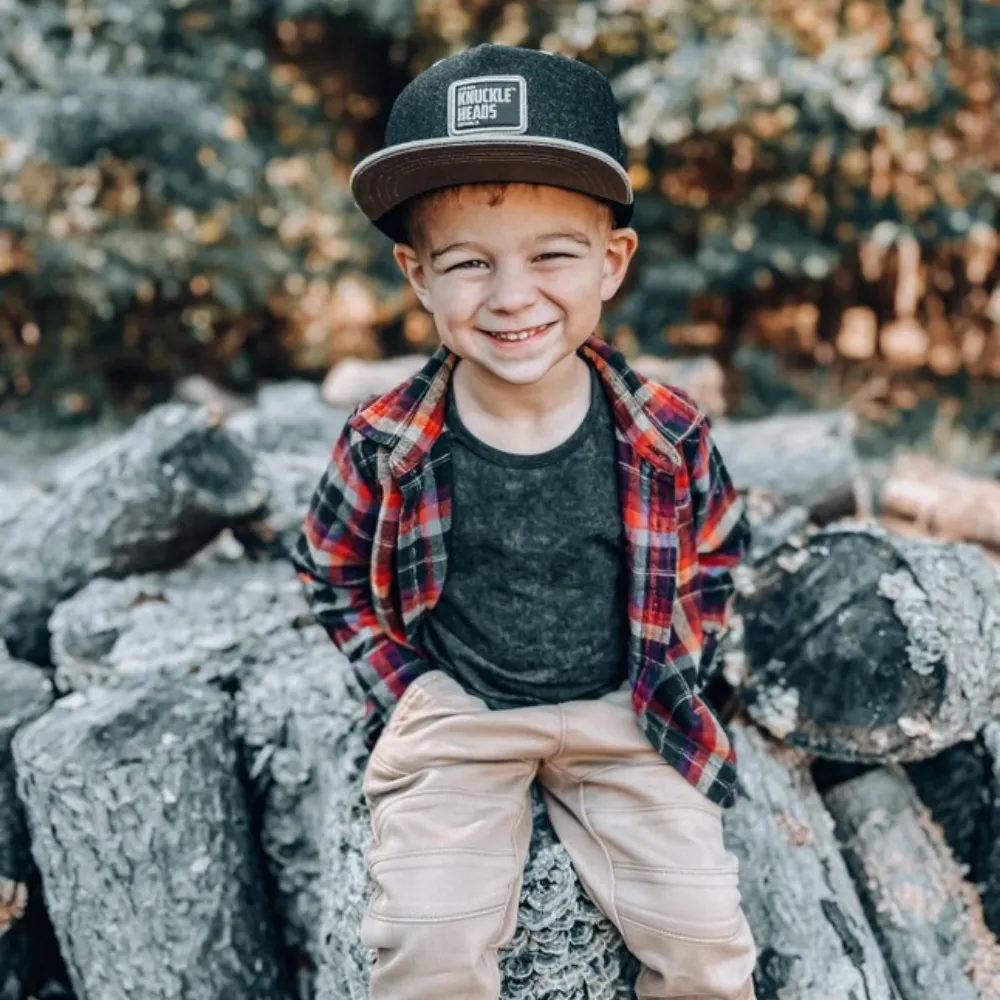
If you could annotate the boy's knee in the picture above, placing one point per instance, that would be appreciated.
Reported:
(697, 906)
(442, 908)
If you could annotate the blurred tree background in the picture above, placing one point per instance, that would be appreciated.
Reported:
(817, 186)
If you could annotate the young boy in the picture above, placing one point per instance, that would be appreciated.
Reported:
(524, 551)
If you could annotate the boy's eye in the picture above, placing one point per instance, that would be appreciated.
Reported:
(467, 264)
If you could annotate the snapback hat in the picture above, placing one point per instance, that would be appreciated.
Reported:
(496, 114)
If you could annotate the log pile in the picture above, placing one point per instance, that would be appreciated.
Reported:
(181, 751)
(150, 499)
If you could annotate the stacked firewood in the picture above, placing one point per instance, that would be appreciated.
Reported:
(816, 178)
(180, 744)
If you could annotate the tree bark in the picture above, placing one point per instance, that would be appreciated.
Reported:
(988, 853)
(812, 936)
(961, 787)
(169, 486)
(806, 459)
(290, 417)
(140, 829)
(926, 916)
(295, 720)
(293, 480)
(861, 645)
(25, 693)
(244, 626)
(217, 620)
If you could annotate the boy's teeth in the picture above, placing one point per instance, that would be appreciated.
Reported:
(520, 335)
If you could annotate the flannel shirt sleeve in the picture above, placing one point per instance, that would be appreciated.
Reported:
(332, 559)
(723, 536)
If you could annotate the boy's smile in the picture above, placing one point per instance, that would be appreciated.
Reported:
(515, 278)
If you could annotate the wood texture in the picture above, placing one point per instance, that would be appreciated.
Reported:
(245, 627)
(291, 418)
(927, 918)
(218, 620)
(165, 488)
(813, 940)
(943, 502)
(961, 787)
(862, 645)
(296, 724)
(140, 829)
(807, 460)
(292, 480)
(25, 693)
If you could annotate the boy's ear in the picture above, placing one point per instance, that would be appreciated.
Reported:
(622, 244)
(413, 270)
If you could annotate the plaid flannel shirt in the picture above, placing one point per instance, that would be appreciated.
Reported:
(372, 555)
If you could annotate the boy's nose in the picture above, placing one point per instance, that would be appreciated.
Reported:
(511, 290)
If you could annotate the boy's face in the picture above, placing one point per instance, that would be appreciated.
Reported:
(538, 263)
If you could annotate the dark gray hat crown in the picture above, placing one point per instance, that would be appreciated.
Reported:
(497, 114)
(566, 99)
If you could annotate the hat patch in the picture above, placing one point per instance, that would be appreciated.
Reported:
(488, 104)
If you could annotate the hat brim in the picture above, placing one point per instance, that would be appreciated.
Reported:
(381, 183)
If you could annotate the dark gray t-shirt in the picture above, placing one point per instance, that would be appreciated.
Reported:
(533, 609)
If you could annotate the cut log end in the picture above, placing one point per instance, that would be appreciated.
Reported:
(863, 646)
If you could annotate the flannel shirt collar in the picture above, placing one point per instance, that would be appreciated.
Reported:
(408, 419)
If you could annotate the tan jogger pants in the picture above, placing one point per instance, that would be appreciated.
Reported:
(449, 788)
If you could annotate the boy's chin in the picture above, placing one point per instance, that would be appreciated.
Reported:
(518, 369)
